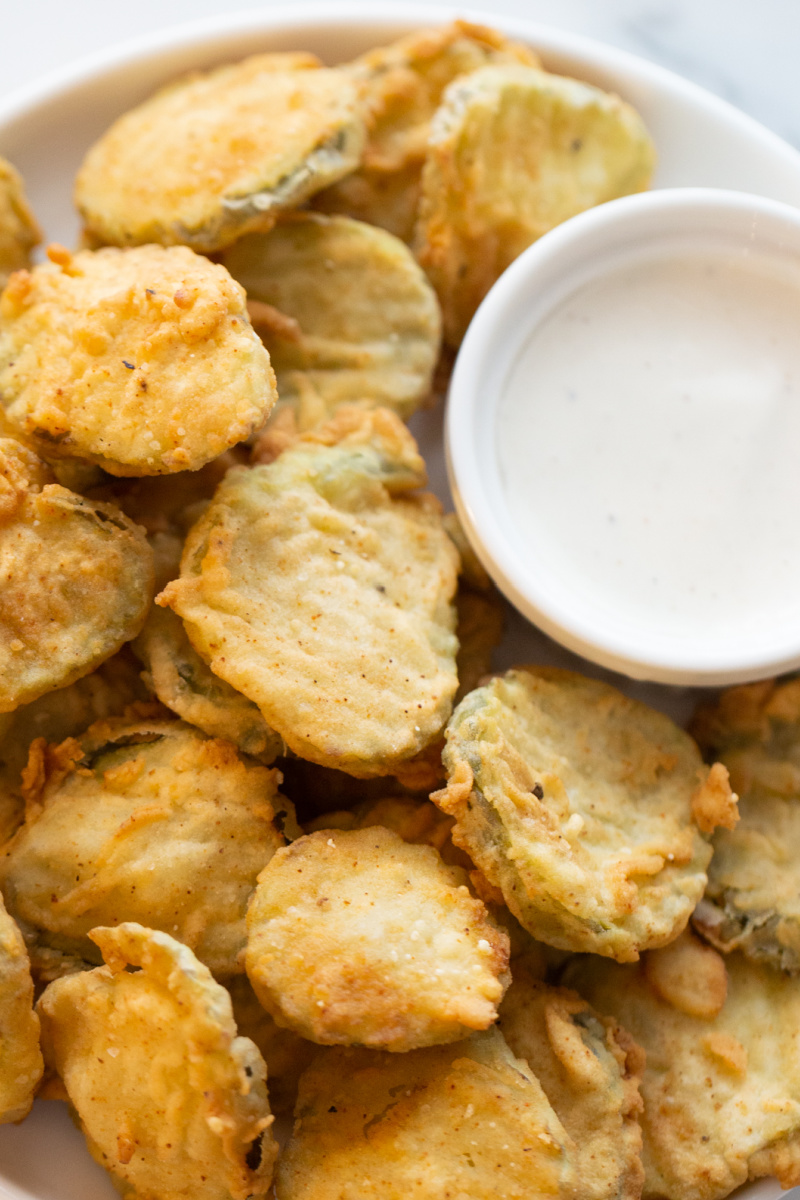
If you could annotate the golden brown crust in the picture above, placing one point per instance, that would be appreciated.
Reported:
(287, 1056)
(221, 153)
(170, 1100)
(318, 588)
(189, 688)
(513, 151)
(721, 1092)
(345, 311)
(401, 87)
(467, 1119)
(77, 580)
(576, 802)
(357, 937)
(752, 901)
(689, 976)
(19, 232)
(147, 820)
(20, 1057)
(589, 1069)
(58, 715)
(142, 361)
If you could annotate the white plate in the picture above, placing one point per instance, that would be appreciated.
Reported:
(45, 130)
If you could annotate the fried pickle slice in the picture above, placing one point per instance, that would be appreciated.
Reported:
(468, 1119)
(345, 311)
(187, 685)
(589, 1069)
(752, 901)
(357, 937)
(20, 1057)
(721, 1081)
(287, 1056)
(142, 361)
(321, 587)
(514, 151)
(221, 153)
(587, 809)
(402, 86)
(19, 232)
(59, 715)
(145, 820)
(77, 580)
(171, 1101)
(417, 821)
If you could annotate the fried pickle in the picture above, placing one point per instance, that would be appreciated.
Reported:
(221, 153)
(142, 361)
(77, 580)
(58, 715)
(589, 1069)
(514, 151)
(464, 1120)
(402, 86)
(417, 821)
(586, 808)
(346, 314)
(752, 901)
(19, 232)
(321, 589)
(20, 1057)
(187, 685)
(722, 1090)
(285, 1054)
(357, 937)
(145, 820)
(171, 1101)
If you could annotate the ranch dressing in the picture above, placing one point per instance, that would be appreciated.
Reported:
(648, 445)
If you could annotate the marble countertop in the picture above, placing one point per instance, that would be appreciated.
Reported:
(744, 51)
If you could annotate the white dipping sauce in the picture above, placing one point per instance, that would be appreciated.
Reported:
(648, 445)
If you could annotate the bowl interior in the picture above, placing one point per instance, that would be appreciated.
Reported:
(577, 603)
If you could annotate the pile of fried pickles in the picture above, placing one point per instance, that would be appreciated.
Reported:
(273, 840)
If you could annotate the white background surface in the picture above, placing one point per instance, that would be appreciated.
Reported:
(744, 50)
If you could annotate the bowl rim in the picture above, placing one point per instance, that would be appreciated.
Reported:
(476, 388)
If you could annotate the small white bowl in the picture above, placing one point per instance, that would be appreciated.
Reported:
(574, 594)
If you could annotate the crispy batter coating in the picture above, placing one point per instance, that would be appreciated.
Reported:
(319, 588)
(417, 821)
(589, 1068)
(20, 1057)
(577, 802)
(465, 1120)
(142, 361)
(143, 820)
(58, 715)
(187, 685)
(77, 580)
(345, 311)
(285, 1054)
(752, 902)
(170, 1100)
(402, 86)
(721, 1092)
(19, 232)
(357, 937)
(514, 151)
(221, 153)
